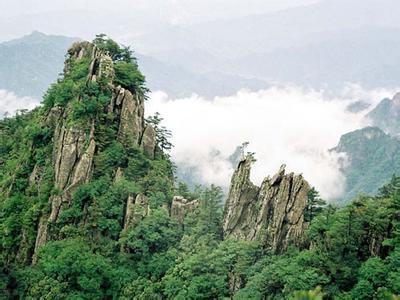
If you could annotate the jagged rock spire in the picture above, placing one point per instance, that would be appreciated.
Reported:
(271, 214)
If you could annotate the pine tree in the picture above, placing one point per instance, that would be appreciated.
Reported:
(315, 205)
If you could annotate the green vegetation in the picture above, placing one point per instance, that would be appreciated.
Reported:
(351, 252)
(127, 73)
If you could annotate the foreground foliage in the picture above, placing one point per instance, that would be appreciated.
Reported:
(163, 259)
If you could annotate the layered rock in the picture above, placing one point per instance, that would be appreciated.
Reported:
(272, 213)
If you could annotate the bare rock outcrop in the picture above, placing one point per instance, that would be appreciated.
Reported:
(148, 142)
(129, 109)
(272, 213)
(136, 209)
(180, 207)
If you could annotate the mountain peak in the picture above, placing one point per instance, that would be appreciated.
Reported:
(358, 137)
(96, 107)
(37, 33)
(386, 115)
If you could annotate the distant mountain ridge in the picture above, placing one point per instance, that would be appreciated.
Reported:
(373, 157)
(30, 64)
(43, 57)
(386, 115)
(180, 82)
(330, 60)
(323, 45)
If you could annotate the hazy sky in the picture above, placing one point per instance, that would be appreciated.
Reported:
(279, 122)
(173, 10)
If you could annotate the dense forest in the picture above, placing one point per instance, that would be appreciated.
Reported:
(88, 209)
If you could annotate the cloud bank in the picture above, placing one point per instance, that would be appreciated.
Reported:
(287, 125)
(10, 103)
(284, 125)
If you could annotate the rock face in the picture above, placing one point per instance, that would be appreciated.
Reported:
(180, 207)
(75, 145)
(136, 209)
(148, 142)
(130, 111)
(272, 214)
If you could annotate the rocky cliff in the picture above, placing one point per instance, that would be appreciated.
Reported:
(272, 213)
(75, 145)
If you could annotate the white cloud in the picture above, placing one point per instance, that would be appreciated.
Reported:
(10, 103)
(287, 125)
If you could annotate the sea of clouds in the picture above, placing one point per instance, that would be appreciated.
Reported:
(284, 125)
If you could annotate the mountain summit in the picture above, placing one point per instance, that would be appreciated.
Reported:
(386, 115)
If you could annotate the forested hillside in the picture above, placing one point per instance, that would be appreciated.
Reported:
(89, 209)
(372, 158)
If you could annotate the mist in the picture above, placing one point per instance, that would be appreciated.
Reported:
(284, 125)
(11, 103)
(214, 48)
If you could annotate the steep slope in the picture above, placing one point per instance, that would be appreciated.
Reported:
(272, 213)
(75, 147)
(89, 132)
(373, 157)
(30, 64)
